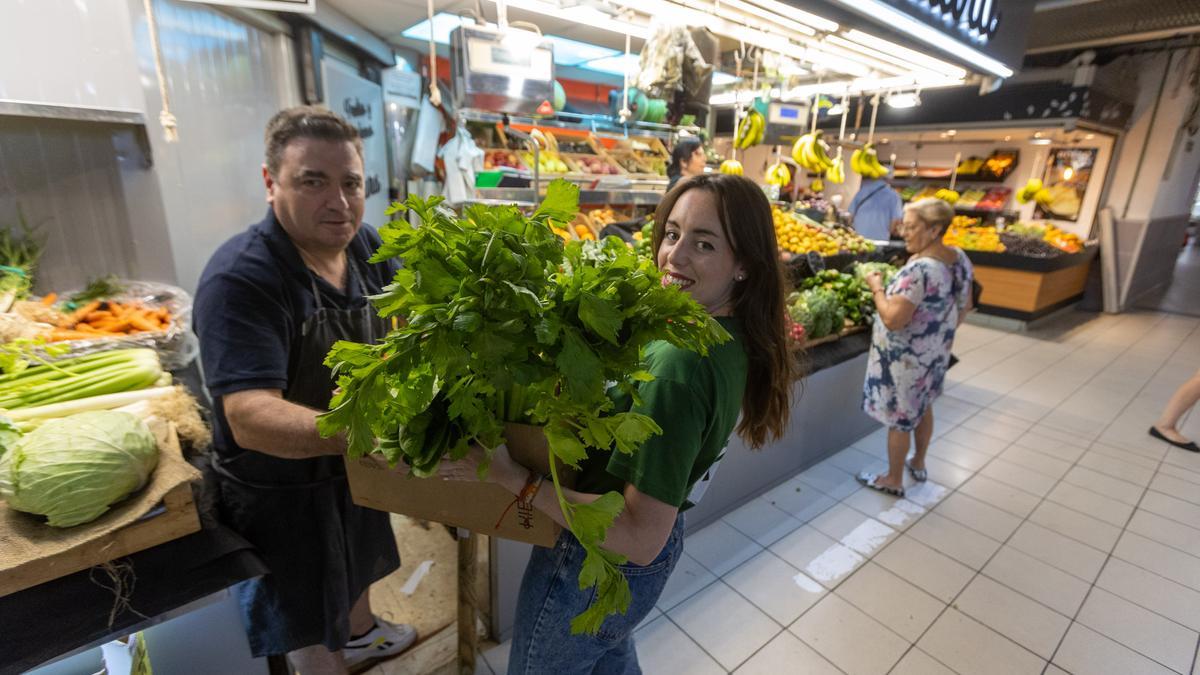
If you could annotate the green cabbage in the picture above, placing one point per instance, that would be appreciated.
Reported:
(73, 468)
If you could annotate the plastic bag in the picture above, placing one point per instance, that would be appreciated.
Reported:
(176, 346)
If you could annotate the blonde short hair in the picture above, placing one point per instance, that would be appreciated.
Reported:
(934, 212)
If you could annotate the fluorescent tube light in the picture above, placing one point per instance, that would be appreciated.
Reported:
(582, 14)
(904, 23)
(909, 100)
(887, 51)
(797, 14)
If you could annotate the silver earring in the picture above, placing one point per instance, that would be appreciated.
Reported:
(740, 277)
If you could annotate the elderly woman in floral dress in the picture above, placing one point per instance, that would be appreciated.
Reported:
(915, 321)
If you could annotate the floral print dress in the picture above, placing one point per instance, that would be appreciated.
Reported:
(907, 367)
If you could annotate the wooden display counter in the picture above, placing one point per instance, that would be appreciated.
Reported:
(1024, 288)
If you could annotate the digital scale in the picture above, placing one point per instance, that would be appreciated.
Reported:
(508, 71)
(786, 122)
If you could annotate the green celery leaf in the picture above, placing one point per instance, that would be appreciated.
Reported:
(600, 315)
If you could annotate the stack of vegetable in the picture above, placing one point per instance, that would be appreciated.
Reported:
(131, 380)
(505, 324)
(73, 438)
(852, 293)
(817, 310)
(71, 469)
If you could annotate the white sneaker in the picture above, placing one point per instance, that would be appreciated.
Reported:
(384, 641)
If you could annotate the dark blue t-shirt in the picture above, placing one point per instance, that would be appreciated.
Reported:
(252, 299)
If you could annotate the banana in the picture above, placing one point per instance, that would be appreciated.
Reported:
(798, 151)
(817, 185)
(778, 174)
(947, 195)
(732, 166)
(823, 162)
(750, 130)
(856, 162)
(835, 174)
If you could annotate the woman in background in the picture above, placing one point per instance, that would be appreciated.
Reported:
(915, 320)
(687, 160)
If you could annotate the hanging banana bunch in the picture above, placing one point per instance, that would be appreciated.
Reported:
(750, 130)
(812, 153)
(732, 166)
(865, 162)
(779, 174)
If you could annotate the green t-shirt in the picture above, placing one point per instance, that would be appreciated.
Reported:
(696, 400)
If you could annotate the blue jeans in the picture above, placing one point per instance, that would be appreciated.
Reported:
(550, 597)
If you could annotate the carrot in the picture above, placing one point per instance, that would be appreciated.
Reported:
(98, 315)
(49, 299)
(110, 326)
(60, 334)
(85, 310)
(141, 322)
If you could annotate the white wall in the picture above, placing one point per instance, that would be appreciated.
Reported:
(1157, 168)
(226, 78)
(68, 52)
(1162, 182)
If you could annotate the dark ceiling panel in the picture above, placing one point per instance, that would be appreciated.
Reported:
(1109, 20)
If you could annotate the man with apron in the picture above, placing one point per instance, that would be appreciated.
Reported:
(270, 304)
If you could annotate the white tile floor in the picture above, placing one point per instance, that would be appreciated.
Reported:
(1054, 535)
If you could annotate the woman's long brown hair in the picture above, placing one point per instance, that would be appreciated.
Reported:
(758, 301)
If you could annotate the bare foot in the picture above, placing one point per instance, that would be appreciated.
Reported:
(1172, 433)
(888, 482)
(917, 464)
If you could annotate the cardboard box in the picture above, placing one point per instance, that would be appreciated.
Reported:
(475, 506)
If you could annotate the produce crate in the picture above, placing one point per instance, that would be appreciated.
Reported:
(477, 506)
(580, 163)
(512, 159)
(174, 517)
(632, 164)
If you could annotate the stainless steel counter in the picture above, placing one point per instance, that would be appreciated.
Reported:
(589, 197)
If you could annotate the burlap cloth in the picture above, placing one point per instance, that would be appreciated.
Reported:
(27, 538)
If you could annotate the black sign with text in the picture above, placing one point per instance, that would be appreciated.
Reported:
(995, 28)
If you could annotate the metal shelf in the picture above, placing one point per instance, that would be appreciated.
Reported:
(593, 123)
(526, 195)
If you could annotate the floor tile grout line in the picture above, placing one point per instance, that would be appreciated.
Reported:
(1124, 529)
(979, 409)
(1005, 543)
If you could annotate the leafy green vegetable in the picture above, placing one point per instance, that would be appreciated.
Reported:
(79, 377)
(20, 249)
(818, 310)
(73, 468)
(101, 288)
(505, 324)
(862, 269)
(852, 293)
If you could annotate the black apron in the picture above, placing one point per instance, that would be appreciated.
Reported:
(322, 550)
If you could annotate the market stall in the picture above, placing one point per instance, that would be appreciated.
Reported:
(102, 471)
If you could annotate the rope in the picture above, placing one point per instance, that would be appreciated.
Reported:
(874, 111)
(121, 578)
(624, 113)
(165, 118)
(435, 94)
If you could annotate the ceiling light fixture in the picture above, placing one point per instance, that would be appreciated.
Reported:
(582, 14)
(902, 54)
(903, 100)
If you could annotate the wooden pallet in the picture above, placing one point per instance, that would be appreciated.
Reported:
(177, 518)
